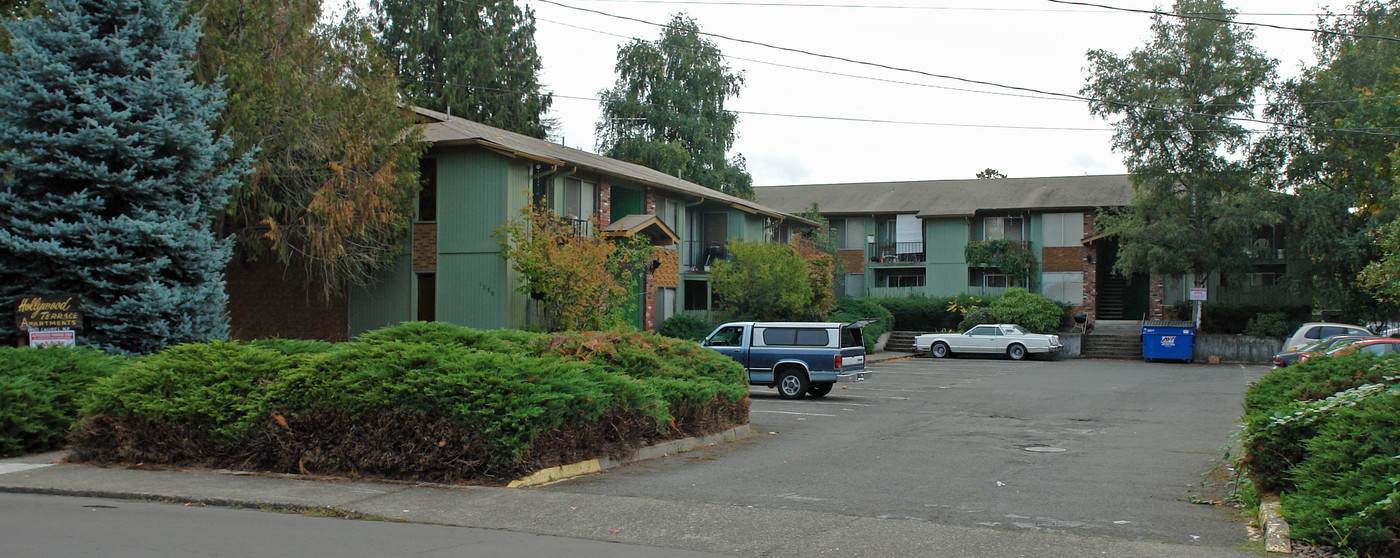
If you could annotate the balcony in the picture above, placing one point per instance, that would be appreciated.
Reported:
(698, 255)
(896, 253)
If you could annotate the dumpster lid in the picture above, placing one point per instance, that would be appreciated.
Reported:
(1165, 323)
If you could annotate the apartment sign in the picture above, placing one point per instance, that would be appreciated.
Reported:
(49, 312)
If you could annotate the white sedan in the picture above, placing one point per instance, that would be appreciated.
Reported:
(998, 339)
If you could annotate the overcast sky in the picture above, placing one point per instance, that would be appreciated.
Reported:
(938, 128)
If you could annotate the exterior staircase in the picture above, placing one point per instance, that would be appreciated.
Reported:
(902, 341)
(1113, 289)
(1115, 339)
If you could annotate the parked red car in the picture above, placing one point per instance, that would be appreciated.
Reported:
(1374, 345)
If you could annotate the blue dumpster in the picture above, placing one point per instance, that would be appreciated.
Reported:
(1168, 340)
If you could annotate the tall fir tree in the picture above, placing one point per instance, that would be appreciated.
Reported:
(111, 173)
(666, 110)
(473, 58)
(1195, 208)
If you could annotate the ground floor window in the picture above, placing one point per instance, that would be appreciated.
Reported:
(697, 295)
(665, 303)
(853, 285)
(1063, 286)
(991, 278)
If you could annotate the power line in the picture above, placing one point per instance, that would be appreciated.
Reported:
(1124, 104)
(900, 82)
(1228, 20)
(896, 7)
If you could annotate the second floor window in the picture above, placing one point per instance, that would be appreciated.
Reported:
(999, 228)
(579, 199)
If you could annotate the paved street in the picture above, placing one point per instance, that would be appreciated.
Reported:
(62, 526)
(977, 442)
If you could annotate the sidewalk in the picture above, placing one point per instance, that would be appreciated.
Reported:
(650, 522)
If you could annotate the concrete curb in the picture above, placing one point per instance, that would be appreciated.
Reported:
(1276, 532)
(663, 449)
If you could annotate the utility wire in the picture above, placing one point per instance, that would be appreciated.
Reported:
(899, 82)
(1227, 20)
(1124, 104)
(900, 7)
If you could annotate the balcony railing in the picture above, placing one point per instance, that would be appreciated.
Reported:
(698, 255)
(897, 252)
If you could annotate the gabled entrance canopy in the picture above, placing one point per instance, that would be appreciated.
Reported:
(649, 226)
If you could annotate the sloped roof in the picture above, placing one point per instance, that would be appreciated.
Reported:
(944, 198)
(441, 129)
(649, 226)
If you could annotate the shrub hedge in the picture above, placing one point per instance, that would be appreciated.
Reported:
(40, 390)
(1232, 318)
(1275, 447)
(1031, 311)
(852, 309)
(419, 401)
(929, 313)
(1326, 434)
(685, 326)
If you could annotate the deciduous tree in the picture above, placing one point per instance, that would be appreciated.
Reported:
(773, 282)
(473, 58)
(111, 172)
(1339, 148)
(666, 110)
(586, 282)
(1195, 208)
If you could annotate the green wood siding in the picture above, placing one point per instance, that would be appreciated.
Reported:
(625, 201)
(387, 301)
(478, 191)
(947, 269)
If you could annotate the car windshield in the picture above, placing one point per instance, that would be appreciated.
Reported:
(1013, 330)
(1310, 347)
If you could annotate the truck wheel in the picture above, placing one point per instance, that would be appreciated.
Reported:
(818, 390)
(1016, 352)
(939, 350)
(792, 384)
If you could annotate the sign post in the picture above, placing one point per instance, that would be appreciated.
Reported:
(1198, 295)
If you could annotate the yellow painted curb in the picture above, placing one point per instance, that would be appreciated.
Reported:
(557, 473)
(563, 472)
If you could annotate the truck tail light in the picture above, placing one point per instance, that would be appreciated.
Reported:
(838, 362)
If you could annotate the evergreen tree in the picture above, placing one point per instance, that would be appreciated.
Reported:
(336, 173)
(473, 58)
(110, 173)
(1195, 208)
(666, 110)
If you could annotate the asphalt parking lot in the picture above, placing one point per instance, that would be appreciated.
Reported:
(1119, 449)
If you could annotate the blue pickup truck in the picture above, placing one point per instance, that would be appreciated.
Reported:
(798, 358)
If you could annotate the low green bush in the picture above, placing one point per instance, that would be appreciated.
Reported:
(1232, 318)
(852, 309)
(420, 401)
(1280, 408)
(1347, 493)
(40, 391)
(1031, 311)
(976, 315)
(685, 326)
(293, 346)
(925, 313)
(1269, 324)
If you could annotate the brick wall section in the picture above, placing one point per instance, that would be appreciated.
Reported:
(1090, 271)
(855, 260)
(266, 302)
(604, 205)
(1155, 308)
(649, 281)
(425, 247)
(1062, 258)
